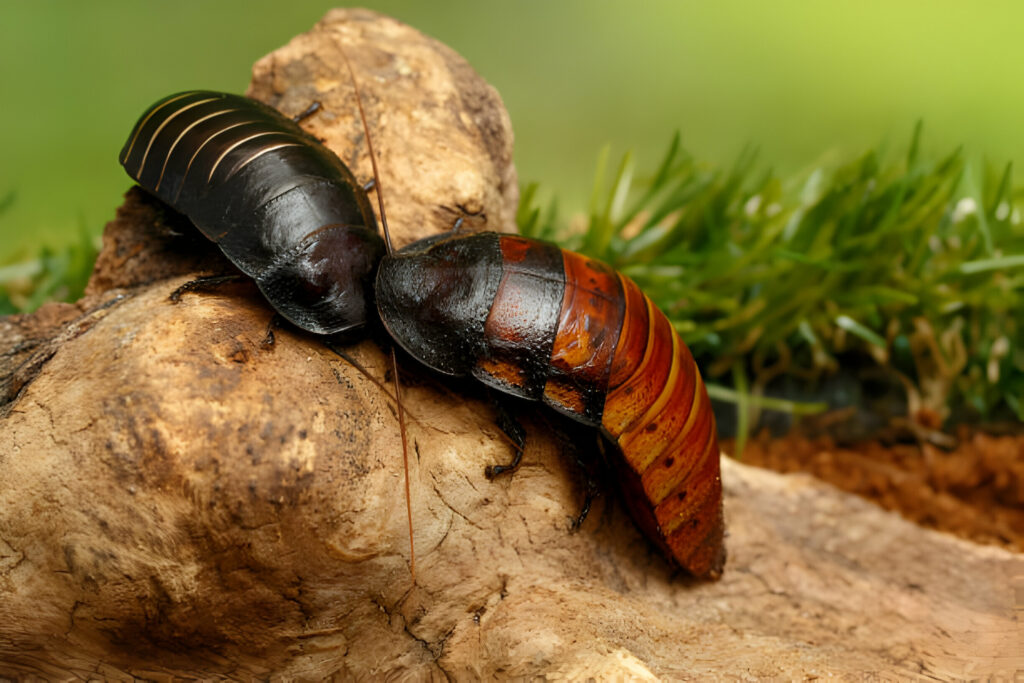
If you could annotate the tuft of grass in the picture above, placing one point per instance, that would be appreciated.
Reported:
(913, 262)
(55, 274)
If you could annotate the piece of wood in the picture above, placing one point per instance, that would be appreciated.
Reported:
(177, 499)
(442, 135)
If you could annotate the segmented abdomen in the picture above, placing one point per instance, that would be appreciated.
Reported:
(616, 362)
(281, 206)
(550, 325)
(657, 411)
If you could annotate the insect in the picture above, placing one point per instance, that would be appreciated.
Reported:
(544, 324)
(522, 316)
(280, 205)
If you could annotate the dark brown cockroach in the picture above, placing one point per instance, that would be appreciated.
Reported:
(280, 205)
(544, 324)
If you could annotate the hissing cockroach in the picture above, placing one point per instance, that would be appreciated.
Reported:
(538, 322)
(522, 316)
(280, 205)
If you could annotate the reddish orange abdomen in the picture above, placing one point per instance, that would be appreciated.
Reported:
(545, 324)
(612, 339)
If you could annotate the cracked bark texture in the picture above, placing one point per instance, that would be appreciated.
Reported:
(178, 499)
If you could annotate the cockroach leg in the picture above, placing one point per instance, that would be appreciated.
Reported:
(592, 492)
(309, 111)
(276, 320)
(204, 284)
(516, 435)
(593, 469)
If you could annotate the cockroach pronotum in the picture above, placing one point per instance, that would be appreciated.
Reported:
(280, 205)
(545, 324)
(522, 316)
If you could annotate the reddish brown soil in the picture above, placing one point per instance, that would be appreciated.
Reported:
(975, 490)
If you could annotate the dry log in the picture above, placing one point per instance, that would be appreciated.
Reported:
(177, 499)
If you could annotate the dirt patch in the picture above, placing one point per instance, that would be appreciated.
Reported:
(975, 490)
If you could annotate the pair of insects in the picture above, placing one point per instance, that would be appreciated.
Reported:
(520, 315)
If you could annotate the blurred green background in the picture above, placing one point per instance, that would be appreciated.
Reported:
(799, 80)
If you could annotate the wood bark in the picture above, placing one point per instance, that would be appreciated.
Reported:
(178, 499)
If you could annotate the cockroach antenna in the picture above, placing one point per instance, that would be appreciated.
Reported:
(379, 189)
